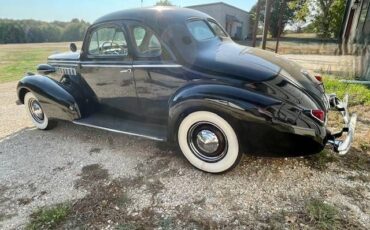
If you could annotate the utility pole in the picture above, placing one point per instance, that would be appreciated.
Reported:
(255, 27)
(280, 22)
(266, 24)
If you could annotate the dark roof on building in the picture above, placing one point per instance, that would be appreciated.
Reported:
(158, 13)
(218, 3)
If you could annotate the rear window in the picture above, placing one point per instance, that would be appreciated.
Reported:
(200, 30)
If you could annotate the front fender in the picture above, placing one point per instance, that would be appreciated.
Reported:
(56, 102)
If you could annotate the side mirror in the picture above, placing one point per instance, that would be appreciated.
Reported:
(45, 69)
(73, 47)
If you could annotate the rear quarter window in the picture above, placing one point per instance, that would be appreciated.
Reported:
(200, 30)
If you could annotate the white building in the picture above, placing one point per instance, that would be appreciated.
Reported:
(234, 20)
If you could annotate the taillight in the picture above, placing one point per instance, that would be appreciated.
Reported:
(318, 77)
(318, 114)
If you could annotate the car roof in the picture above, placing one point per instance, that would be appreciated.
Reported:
(153, 14)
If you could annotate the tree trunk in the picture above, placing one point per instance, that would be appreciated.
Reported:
(255, 28)
(267, 23)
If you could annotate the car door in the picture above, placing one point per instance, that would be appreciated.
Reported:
(157, 75)
(106, 65)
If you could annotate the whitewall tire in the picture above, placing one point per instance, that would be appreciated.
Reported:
(35, 112)
(208, 142)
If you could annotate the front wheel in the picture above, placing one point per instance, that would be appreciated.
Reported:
(209, 142)
(36, 113)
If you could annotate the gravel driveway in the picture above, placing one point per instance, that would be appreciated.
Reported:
(117, 181)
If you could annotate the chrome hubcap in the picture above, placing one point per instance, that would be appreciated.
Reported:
(36, 110)
(207, 142)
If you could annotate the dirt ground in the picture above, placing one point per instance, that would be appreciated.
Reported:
(113, 181)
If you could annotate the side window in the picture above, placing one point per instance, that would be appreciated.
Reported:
(154, 43)
(108, 41)
(139, 34)
(147, 43)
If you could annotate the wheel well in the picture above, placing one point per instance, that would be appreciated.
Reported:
(22, 93)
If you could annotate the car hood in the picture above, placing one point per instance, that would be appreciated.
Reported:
(67, 56)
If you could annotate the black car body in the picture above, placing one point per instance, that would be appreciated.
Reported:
(143, 71)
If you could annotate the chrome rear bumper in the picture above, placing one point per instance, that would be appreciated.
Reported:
(342, 146)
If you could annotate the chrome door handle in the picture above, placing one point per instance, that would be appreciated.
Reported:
(125, 71)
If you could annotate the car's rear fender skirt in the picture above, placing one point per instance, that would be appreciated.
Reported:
(56, 102)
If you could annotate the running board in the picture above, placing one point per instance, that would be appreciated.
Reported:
(124, 126)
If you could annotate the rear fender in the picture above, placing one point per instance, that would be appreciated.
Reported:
(239, 97)
(234, 104)
(56, 102)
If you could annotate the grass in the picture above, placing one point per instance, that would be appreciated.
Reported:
(360, 94)
(294, 47)
(166, 223)
(360, 177)
(322, 215)
(315, 214)
(319, 161)
(300, 35)
(49, 218)
(18, 59)
(123, 200)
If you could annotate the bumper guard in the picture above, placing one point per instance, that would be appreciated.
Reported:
(342, 146)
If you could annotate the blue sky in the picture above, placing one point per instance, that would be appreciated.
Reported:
(88, 10)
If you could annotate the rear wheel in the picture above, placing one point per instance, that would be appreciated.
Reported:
(209, 142)
(36, 113)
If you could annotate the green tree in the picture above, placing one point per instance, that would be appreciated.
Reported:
(20, 31)
(74, 31)
(163, 3)
(276, 10)
(337, 12)
(326, 15)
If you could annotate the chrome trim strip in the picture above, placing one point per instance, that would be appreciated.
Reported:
(63, 61)
(109, 64)
(62, 64)
(130, 66)
(118, 131)
(106, 66)
(158, 66)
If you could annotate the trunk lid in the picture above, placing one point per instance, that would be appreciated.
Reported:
(258, 65)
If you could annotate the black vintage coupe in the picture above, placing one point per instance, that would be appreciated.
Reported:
(173, 74)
